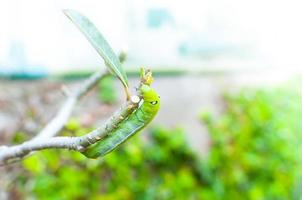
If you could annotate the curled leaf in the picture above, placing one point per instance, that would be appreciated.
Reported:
(97, 40)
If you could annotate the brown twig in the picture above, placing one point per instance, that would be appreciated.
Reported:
(46, 140)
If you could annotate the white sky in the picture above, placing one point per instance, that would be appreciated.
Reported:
(271, 28)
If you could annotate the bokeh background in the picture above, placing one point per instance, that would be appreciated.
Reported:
(229, 77)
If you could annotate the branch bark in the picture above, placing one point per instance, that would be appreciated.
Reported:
(46, 140)
(14, 153)
(58, 122)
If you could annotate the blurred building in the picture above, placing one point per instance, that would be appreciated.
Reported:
(36, 37)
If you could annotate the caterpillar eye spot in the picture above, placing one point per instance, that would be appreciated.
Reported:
(153, 102)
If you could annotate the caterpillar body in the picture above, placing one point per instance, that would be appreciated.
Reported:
(130, 126)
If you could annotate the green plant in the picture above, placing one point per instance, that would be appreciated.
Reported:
(160, 168)
(255, 152)
(106, 90)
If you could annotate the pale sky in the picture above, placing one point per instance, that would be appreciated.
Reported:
(271, 30)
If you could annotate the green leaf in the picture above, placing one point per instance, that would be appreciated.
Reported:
(99, 43)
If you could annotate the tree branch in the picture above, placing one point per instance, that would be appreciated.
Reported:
(58, 122)
(45, 139)
(72, 143)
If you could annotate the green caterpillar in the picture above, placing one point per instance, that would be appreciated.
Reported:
(127, 128)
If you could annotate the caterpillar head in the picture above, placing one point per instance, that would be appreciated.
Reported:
(150, 96)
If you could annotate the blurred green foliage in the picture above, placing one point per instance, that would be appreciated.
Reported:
(256, 146)
(133, 73)
(107, 92)
(162, 168)
(255, 154)
(19, 137)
